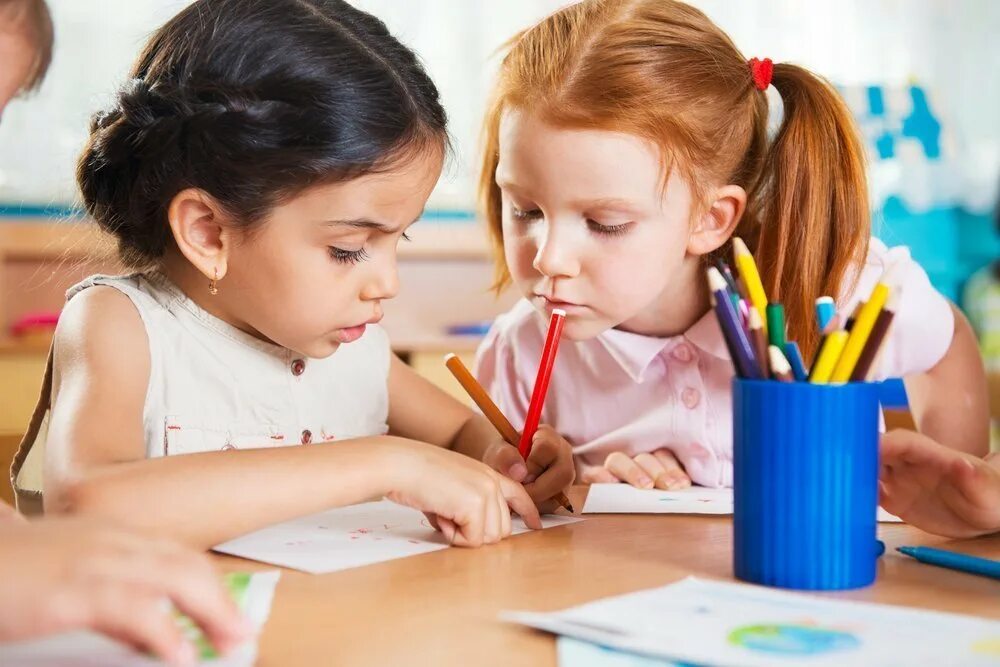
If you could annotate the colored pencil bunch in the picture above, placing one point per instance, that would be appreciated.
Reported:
(755, 331)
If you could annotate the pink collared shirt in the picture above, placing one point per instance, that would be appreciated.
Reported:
(627, 392)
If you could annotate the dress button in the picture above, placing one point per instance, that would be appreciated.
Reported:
(682, 352)
(298, 367)
(690, 397)
(307, 437)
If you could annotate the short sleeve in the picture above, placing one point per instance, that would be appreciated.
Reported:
(924, 324)
(496, 370)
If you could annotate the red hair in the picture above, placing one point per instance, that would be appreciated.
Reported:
(661, 70)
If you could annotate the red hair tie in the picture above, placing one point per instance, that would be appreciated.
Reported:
(762, 70)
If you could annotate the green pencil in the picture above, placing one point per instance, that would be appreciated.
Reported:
(776, 325)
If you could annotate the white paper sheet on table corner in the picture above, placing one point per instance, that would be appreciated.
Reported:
(721, 623)
(626, 499)
(347, 537)
(89, 649)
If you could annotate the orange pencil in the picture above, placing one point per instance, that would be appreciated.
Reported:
(490, 410)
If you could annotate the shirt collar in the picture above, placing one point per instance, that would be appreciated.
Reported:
(635, 352)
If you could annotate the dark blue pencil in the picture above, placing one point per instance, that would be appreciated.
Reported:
(736, 336)
(954, 561)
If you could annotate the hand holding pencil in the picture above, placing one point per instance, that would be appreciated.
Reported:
(547, 469)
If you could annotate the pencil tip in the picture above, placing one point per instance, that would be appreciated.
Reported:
(739, 246)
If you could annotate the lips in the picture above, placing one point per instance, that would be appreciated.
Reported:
(351, 334)
(553, 302)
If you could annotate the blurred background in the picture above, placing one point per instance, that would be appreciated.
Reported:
(922, 77)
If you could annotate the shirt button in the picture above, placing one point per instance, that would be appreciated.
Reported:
(690, 397)
(682, 353)
(307, 437)
(298, 367)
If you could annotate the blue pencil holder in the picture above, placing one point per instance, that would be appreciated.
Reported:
(805, 484)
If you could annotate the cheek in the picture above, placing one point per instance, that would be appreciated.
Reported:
(519, 250)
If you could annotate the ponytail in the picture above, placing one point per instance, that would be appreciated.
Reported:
(808, 222)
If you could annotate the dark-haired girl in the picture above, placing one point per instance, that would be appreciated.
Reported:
(258, 169)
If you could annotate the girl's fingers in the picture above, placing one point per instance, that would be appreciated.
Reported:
(624, 468)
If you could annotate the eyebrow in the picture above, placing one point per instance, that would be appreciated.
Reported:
(365, 223)
(608, 203)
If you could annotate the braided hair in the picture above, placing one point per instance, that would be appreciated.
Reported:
(252, 101)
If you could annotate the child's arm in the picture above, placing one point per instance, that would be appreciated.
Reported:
(96, 463)
(412, 401)
(950, 401)
(937, 488)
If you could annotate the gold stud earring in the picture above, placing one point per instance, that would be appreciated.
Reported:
(213, 284)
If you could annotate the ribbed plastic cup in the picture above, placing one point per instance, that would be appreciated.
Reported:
(805, 478)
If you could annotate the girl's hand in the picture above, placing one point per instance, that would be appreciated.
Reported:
(467, 501)
(63, 575)
(937, 488)
(657, 470)
(548, 470)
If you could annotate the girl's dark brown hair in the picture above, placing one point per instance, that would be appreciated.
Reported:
(252, 101)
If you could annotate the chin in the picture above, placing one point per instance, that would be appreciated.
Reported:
(320, 349)
(580, 329)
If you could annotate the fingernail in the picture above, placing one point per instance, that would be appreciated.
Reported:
(678, 481)
(518, 471)
(529, 479)
(645, 482)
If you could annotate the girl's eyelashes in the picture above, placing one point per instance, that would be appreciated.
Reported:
(608, 230)
(522, 214)
(348, 256)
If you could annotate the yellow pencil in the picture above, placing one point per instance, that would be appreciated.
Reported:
(833, 345)
(490, 410)
(863, 324)
(751, 278)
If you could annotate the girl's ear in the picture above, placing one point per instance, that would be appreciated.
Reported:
(197, 222)
(717, 224)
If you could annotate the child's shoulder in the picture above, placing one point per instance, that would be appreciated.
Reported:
(100, 328)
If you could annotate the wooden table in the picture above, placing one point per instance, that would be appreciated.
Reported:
(441, 608)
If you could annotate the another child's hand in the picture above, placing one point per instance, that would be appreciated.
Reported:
(469, 502)
(657, 470)
(938, 489)
(548, 470)
(62, 575)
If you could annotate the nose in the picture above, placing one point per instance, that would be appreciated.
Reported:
(556, 257)
(383, 282)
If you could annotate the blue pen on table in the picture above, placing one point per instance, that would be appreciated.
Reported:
(954, 561)
(736, 336)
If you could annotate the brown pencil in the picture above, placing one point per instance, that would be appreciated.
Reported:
(876, 339)
(491, 411)
(759, 340)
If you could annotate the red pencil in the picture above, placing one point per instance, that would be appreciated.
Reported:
(542, 381)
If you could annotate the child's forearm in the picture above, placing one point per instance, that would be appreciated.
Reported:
(950, 402)
(205, 499)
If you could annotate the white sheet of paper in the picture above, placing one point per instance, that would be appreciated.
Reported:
(347, 537)
(89, 649)
(718, 623)
(626, 499)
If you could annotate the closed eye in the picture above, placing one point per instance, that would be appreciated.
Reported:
(348, 256)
